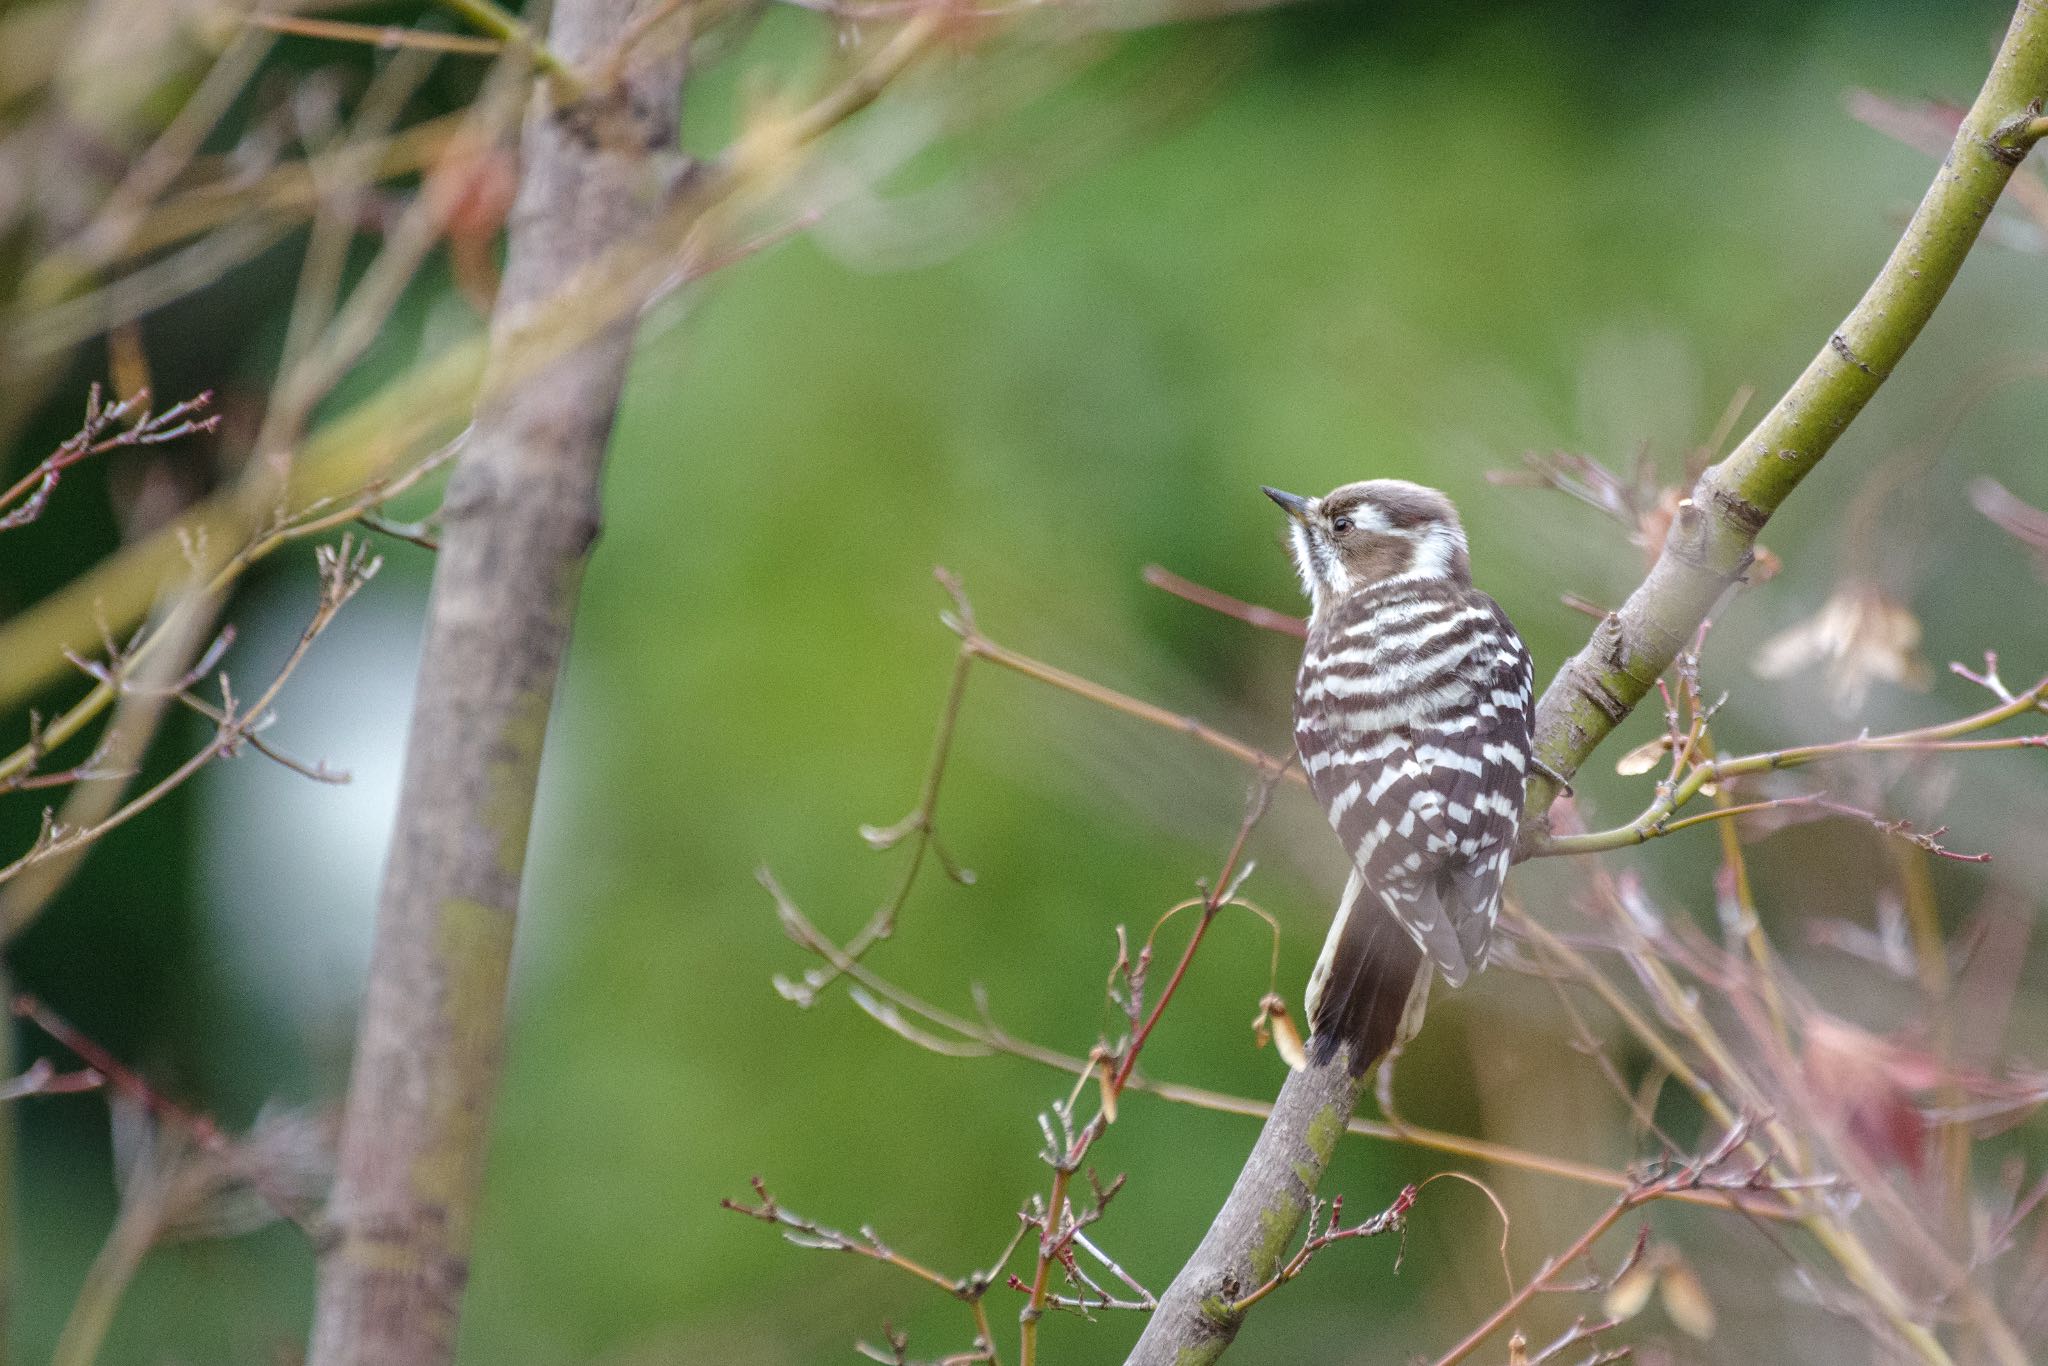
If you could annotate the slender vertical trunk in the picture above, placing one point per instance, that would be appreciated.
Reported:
(521, 514)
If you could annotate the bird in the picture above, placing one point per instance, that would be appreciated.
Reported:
(1412, 718)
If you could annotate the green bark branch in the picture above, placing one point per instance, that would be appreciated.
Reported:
(1713, 537)
(1710, 547)
(1248, 1243)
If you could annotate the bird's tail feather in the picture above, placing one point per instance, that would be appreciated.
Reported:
(1371, 985)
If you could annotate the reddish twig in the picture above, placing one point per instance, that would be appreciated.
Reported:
(43, 1079)
(971, 1289)
(1066, 1157)
(1690, 1176)
(1265, 618)
(200, 1128)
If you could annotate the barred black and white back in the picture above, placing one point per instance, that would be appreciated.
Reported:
(1412, 717)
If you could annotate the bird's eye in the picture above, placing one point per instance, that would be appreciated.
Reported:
(1341, 525)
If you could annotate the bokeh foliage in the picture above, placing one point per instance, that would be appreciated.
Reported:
(1311, 246)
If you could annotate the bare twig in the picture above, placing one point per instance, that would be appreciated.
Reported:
(1691, 1175)
(43, 1079)
(1659, 818)
(1065, 1155)
(24, 501)
(968, 1038)
(1265, 618)
(388, 37)
(973, 642)
(200, 1128)
(1389, 1219)
(918, 827)
(805, 1233)
(971, 1289)
(344, 570)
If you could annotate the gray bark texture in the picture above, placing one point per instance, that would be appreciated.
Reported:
(521, 514)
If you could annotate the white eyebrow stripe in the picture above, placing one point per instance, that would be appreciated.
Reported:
(1366, 516)
(1436, 549)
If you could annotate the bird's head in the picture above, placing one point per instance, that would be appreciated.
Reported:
(1371, 532)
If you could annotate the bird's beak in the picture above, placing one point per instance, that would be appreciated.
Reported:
(1293, 504)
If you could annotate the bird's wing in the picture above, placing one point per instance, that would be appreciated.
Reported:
(1428, 806)
(1481, 769)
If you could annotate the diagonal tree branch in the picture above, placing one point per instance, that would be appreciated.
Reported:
(521, 514)
(1708, 550)
(1713, 537)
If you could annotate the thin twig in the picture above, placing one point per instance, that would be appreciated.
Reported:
(1388, 1219)
(344, 570)
(1947, 737)
(25, 499)
(1265, 618)
(1691, 1175)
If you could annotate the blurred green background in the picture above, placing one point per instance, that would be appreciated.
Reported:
(1297, 248)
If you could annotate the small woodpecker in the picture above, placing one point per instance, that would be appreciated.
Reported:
(1412, 716)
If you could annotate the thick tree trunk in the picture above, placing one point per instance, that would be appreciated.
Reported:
(521, 514)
